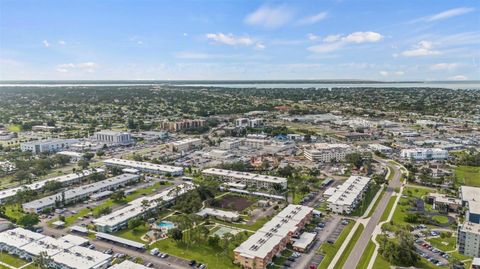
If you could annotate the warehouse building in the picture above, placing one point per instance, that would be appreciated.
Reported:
(249, 179)
(79, 193)
(145, 167)
(260, 248)
(344, 198)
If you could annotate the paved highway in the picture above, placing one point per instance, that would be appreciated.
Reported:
(362, 242)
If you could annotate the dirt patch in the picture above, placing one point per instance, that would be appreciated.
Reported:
(233, 202)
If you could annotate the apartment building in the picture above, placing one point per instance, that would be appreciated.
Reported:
(113, 137)
(145, 167)
(118, 219)
(424, 154)
(468, 241)
(231, 143)
(344, 198)
(248, 179)
(79, 193)
(470, 199)
(325, 152)
(47, 145)
(185, 144)
(260, 248)
(176, 126)
(63, 254)
(66, 180)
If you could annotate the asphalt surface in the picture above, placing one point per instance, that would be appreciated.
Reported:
(357, 251)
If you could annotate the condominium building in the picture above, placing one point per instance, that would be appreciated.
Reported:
(246, 122)
(79, 193)
(65, 180)
(260, 248)
(113, 137)
(249, 179)
(468, 241)
(175, 126)
(185, 144)
(118, 219)
(325, 152)
(47, 145)
(470, 199)
(424, 154)
(145, 167)
(344, 198)
(63, 254)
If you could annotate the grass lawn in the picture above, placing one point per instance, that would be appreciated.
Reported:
(14, 128)
(366, 256)
(391, 174)
(468, 175)
(255, 226)
(343, 258)
(388, 208)
(12, 260)
(381, 263)
(369, 195)
(214, 258)
(440, 219)
(411, 192)
(376, 204)
(13, 211)
(134, 234)
(444, 244)
(329, 250)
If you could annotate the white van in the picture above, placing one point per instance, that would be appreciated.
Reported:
(154, 251)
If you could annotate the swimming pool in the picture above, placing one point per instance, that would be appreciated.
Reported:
(165, 225)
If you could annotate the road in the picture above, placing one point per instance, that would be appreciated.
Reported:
(362, 242)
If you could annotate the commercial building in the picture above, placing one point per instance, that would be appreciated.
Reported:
(468, 241)
(126, 264)
(175, 126)
(118, 219)
(443, 203)
(259, 249)
(424, 154)
(249, 179)
(325, 152)
(344, 198)
(113, 137)
(47, 145)
(380, 148)
(66, 180)
(78, 194)
(231, 143)
(219, 214)
(246, 122)
(74, 156)
(470, 197)
(185, 144)
(63, 254)
(145, 167)
(255, 143)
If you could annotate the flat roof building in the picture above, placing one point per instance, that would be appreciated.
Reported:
(185, 144)
(260, 181)
(220, 214)
(47, 145)
(344, 198)
(113, 137)
(325, 152)
(126, 264)
(470, 197)
(424, 154)
(468, 241)
(145, 167)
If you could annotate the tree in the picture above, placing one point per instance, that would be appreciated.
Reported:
(43, 261)
(145, 205)
(23, 176)
(52, 185)
(28, 220)
(88, 156)
(118, 196)
(176, 234)
(355, 159)
(100, 153)
(134, 223)
(83, 164)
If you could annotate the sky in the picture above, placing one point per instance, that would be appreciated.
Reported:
(240, 40)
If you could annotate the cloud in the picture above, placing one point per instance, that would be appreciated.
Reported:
(270, 17)
(450, 13)
(391, 73)
(444, 66)
(335, 42)
(62, 42)
(458, 77)
(45, 43)
(313, 19)
(311, 36)
(423, 48)
(192, 55)
(232, 40)
(88, 67)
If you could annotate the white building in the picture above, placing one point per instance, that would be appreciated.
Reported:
(470, 199)
(48, 145)
(79, 193)
(65, 180)
(145, 167)
(423, 154)
(344, 198)
(63, 254)
(126, 264)
(468, 241)
(325, 152)
(255, 143)
(231, 143)
(249, 179)
(74, 156)
(380, 148)
(113, 137)
(219, 214)
(185, 144)
(118, 219)
(5, 135)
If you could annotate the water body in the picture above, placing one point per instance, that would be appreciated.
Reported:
(248, 84)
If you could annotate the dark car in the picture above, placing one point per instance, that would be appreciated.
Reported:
(192, 263)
